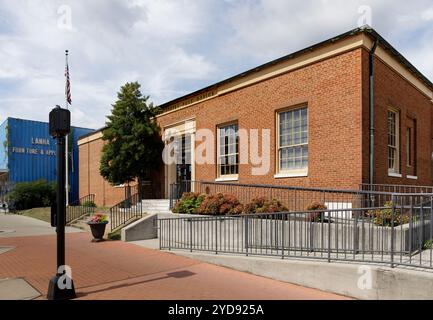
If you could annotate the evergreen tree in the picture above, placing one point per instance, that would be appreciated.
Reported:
(133, 143)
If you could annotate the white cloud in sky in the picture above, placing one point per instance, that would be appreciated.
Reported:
(172, 47)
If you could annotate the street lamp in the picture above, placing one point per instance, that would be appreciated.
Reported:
(61, 286)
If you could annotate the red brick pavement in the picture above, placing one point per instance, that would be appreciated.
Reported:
(118, 270)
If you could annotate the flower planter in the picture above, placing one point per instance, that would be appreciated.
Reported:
(98, 230)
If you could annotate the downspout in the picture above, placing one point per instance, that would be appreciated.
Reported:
(371, 95)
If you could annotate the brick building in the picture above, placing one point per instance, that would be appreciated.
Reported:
(316, 105)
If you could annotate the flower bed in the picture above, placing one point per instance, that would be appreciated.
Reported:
(224, 204)
(383, 217)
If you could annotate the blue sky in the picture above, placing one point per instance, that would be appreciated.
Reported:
(173, 47)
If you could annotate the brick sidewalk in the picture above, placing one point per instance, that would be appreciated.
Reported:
(118, 270)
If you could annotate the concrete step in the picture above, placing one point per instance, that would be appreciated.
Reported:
(156, 202)
(159, 212)
(150, 206)
(81, 224)
(154, 208)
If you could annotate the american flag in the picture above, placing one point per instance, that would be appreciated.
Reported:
(68, 86)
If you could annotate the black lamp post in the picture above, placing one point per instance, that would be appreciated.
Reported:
(61, 286)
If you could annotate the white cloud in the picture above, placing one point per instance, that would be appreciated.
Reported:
(172, 47)
(427, 14)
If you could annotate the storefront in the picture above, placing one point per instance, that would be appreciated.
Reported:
(28, 153)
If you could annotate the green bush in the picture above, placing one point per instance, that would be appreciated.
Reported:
(116, 235)
(428, 244)
(189, 202)
(89, 203)
(27, 195)
(224, 204)
(264, 205)
(220, 204)
(383, 217)
(317, 215)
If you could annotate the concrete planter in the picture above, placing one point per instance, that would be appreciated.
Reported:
(339, 236)
(98, 230)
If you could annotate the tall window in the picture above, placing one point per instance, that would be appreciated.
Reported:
(409, 159)
(228, 151)
(411, 146)
(393, 141)
(293, 140)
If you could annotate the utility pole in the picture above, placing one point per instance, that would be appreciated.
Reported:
(61, 286)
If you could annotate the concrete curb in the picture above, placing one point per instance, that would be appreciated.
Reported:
(17, 289)
(143, 229)
(370, 282)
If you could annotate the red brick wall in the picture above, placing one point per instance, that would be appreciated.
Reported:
(336, 91)
(90, 181)
(392, 90)
(332, 89)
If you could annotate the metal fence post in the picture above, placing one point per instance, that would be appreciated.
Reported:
(246, 235)
(329, 240)
(355, 234)
(283, 219)
(159, 224)
(216, 236)
(190, 234)
(169, 234)
(394, 198)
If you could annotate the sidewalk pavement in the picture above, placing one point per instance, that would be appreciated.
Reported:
(15, 225)
(118, 270)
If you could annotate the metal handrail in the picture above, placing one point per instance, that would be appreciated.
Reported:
(298, 196)
(394, 235)
(125, 211)
(349, 191)
(80, 208)
(395, 188)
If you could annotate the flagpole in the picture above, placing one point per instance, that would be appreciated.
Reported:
(66, 143)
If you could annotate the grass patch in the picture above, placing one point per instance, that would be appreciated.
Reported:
(116, 235)
(43, 214)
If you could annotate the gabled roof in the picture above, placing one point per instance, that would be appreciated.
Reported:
(362, 30)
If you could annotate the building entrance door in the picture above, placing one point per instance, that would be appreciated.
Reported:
(178, 173)
(183, 164)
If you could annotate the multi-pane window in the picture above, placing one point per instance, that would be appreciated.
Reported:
(393, 141)
(409, 147)
(228, 150)
(293, 139)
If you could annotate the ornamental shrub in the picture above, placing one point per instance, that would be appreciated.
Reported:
(383, 217)
(99, 218)
(189, 202)
(27, 195)
(220, 204)
(263, 205)
(316, 215)
(89, 203)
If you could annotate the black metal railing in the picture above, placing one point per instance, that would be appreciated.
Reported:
(395, 188)
(294, 198)
(5, 189)
(81, 208)
(397, 235)
(126, 211)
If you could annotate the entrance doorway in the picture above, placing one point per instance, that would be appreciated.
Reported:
(182, 171)
(183, 164)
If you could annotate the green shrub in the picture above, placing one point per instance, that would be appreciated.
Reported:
(116, 235)
(428, 244)
(89, 203)
(189, 202)
(220, 204)
(317, 215)
(383, 217)
(263, 205)
(27, 195)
